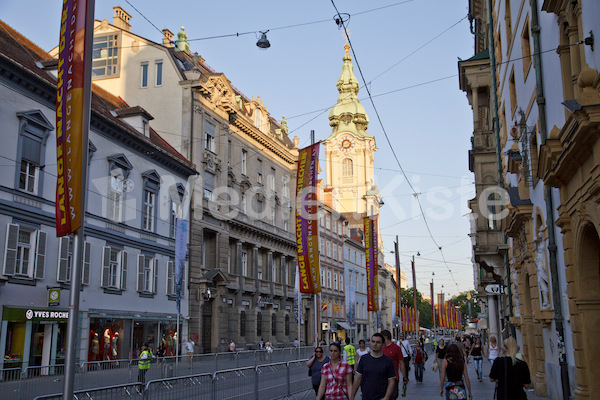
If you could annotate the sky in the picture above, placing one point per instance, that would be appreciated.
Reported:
(407, 53)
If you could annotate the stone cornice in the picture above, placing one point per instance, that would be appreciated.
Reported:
(518, 216)
(278, 149)
(561, 157)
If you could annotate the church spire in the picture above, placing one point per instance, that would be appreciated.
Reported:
(348, 114)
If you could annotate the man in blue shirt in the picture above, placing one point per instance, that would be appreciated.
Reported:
(375, 374)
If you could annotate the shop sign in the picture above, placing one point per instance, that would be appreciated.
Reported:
(53, 297)
(33, 314)
(337, 308)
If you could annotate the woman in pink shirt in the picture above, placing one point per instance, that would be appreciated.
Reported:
(336, 377)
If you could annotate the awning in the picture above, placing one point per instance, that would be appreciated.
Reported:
(345, 326)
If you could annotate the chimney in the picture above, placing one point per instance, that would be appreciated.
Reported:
(122, 19)
(167, 38)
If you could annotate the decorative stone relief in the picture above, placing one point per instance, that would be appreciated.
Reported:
(515, 287)
(542, 270)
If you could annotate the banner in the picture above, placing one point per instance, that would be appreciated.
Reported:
(307, 220)
(371, 250)
(70, 94)
(181, 235)
(398, 301)
(351, 305)
(298, 300)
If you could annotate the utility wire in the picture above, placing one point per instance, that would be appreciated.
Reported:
(343, 25)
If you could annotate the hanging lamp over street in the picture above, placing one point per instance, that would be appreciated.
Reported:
(263, 42)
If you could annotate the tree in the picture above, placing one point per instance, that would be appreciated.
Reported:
(462, 301)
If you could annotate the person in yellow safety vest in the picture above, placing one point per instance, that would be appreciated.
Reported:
(144, 363)
(350, 355)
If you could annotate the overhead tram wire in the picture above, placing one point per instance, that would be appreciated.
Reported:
(343, 24)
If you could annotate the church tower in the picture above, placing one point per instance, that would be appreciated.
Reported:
(350, 152)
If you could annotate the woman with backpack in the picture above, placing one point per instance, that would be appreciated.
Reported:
(455, 369)
(419, 356)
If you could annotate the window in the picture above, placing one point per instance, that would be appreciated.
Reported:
(147, 274)
(259, 324)
(274, 270)
(507, 20)
(321, 243)
(272, 179)
(526, 49)
(244, 162)
(65, 260)
(347, 170)
(34, 130)
(334, 227)
(341, 282)
(328, 244)
(149, 209)
(176, 192)
(114, 268)
(244, 263)
(146, 128)
(115, 198)
(259, 171)
(321, 218)
(105, 56)
(334, 252)
(209, 185)
(172, 279)
(260, 265)
(286, 187)
(340, 251)
(259, 207)
(328, 222)
(513, 92)
(287, 325)
(340, 229)
(272, 212)
(329, 279)
(209, 136)
(243, 323)
(274, 325)
(144, 74)
(158, 64)
(25, 252)
(228, 152)
(335, 281)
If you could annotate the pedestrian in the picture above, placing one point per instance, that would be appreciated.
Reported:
(269, 348)
(296, 343)
(362, 350)
(314, 364)
(406, 352)
(144, 363)
(393, 351)
(375, 373)
(350, 355)
(511, 373)
(455, 369)
(492, 351)
(231, 346)
(189, 348)
(336, 380)
(440, 353)
(459, 344)
(477, 354)
(261, 346)
(419, 356)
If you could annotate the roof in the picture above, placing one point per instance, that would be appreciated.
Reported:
(26, 55)
(482, 55)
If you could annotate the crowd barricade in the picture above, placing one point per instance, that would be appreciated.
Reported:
(129, 391)
(198, 387)
(234, 383)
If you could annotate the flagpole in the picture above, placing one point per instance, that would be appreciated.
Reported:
(76, 271)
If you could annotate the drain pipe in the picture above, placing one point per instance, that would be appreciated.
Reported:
(556, 297)
(498, 148)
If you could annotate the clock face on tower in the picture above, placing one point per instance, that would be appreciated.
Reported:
(346, 144)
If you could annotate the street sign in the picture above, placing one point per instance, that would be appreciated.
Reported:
(495, 289)
(482, 315)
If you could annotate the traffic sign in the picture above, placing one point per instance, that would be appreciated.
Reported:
(495, 289)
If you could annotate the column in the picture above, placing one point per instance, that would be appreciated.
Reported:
(269, 270)
(3, 344)
(493, 317)
(238, 271)
(27, 344)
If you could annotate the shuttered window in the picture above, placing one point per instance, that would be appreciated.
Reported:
(25, 252)
(114, 268)
(65, 261)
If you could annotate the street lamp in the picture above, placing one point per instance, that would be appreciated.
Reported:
(263, 42)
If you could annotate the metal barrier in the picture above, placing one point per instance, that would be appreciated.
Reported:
(27, 383)
(116, 392)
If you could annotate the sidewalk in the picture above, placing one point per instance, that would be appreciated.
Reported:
(430, 388)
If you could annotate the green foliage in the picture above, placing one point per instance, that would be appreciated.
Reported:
(462, 301)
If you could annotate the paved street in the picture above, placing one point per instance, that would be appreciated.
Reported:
(430, 388)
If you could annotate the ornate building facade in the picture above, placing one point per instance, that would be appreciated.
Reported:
(546, 145)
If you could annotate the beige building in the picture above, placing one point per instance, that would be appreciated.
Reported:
(547, 108)
(242, 244)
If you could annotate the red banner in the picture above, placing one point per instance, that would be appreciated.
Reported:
(398, 301)
(307, 220)
(70, 116)
(371, 251)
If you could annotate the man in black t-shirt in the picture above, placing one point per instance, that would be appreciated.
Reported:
(511, 378)
(375, 374)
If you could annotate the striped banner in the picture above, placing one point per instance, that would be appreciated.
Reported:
(70, 93)
(371, 250)
(307, 220)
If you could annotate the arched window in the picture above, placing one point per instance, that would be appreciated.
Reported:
(259, 324)
(347, 168)
(287, 325)
(274, 325)
(243, 323)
